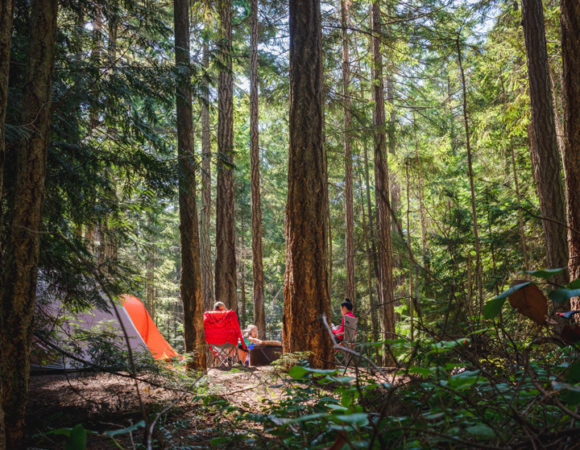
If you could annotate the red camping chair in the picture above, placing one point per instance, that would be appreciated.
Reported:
(222, 331)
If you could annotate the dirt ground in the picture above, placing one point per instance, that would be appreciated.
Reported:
(104, 402)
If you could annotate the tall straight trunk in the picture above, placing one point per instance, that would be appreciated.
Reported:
(205, 217)
(225, 260)
(557, 105)
(190, 281)
(110, 246)
(258, 270)
(520, 216)
(372, 303)
(150, 281)
(6, 16)
(570, 22)
(95, 58)
(411, 305)
(478, 270)
(548, 171)
(20, 260)
(327, 223)
(372, 229)
(420, 188)
(306, 297)
(372, 251)
(423, 219)
(348, 194)
(242, 265)
(385, 253)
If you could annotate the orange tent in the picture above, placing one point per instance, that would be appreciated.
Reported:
(159, 347)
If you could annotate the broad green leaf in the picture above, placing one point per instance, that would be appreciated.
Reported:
(493, 307)
(297, 372)
(360, 419)
(336, 407)
(433, 416)
(563, 294)
(546, 273)
(77, 439)
(420, 371)
(347, 398)
(565, 386)
(481, 430)
(574, 284)
(129, 429)
(306, 418)
(343, 380)
(569, 393)
(320, 372)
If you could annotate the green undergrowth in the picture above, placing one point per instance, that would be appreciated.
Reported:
(446, 396)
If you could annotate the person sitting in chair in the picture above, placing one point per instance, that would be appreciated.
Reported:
(219, 306)
(250, 336)
(346, 310)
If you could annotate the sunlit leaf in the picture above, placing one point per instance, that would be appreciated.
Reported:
(563, 294)
(546, 273)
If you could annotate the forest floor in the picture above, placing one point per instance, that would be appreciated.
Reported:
(105, 402)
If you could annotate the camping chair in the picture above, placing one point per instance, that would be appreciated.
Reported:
(350, 324)
(222, 331)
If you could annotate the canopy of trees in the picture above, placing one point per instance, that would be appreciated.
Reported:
(419, 157)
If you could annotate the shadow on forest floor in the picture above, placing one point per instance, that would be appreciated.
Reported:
(106, 402)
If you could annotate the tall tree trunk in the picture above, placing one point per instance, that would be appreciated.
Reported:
(550, 191)
(20, 261)
(6, 16)
(520, 216)
(348, 194)
(242, 266)
(190, 280)
(306, 297)
(370, 258)
(258, 270)
(570, 22)
(205, 219)
(557, 105)
(225, 260)
(385, 254)
(411, 305)
(327, 222)
(478, 269)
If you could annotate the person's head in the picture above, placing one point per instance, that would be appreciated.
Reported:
(345, 306)
(219, 306)
(251, 331)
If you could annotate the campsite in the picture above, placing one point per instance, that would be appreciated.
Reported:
(320, 224)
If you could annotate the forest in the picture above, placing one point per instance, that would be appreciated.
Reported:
(420, 158)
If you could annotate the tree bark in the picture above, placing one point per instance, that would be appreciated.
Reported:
(20, 261)
(385, 253)
(6, 16)
(190, 280)
(206, 265)
(225, 261)
(570, 22)
(242, 267)
(520, 216)
(550, 191)
(411, 305)
(370, 258)
(478, 269)
(258, 270)
(348, 185)
(306, 297)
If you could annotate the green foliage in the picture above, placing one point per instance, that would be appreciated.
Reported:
(447, 396)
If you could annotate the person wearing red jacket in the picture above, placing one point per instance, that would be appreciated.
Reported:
(346, 310)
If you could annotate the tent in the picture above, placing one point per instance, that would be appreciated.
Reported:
(143, 335)
(158, 346)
